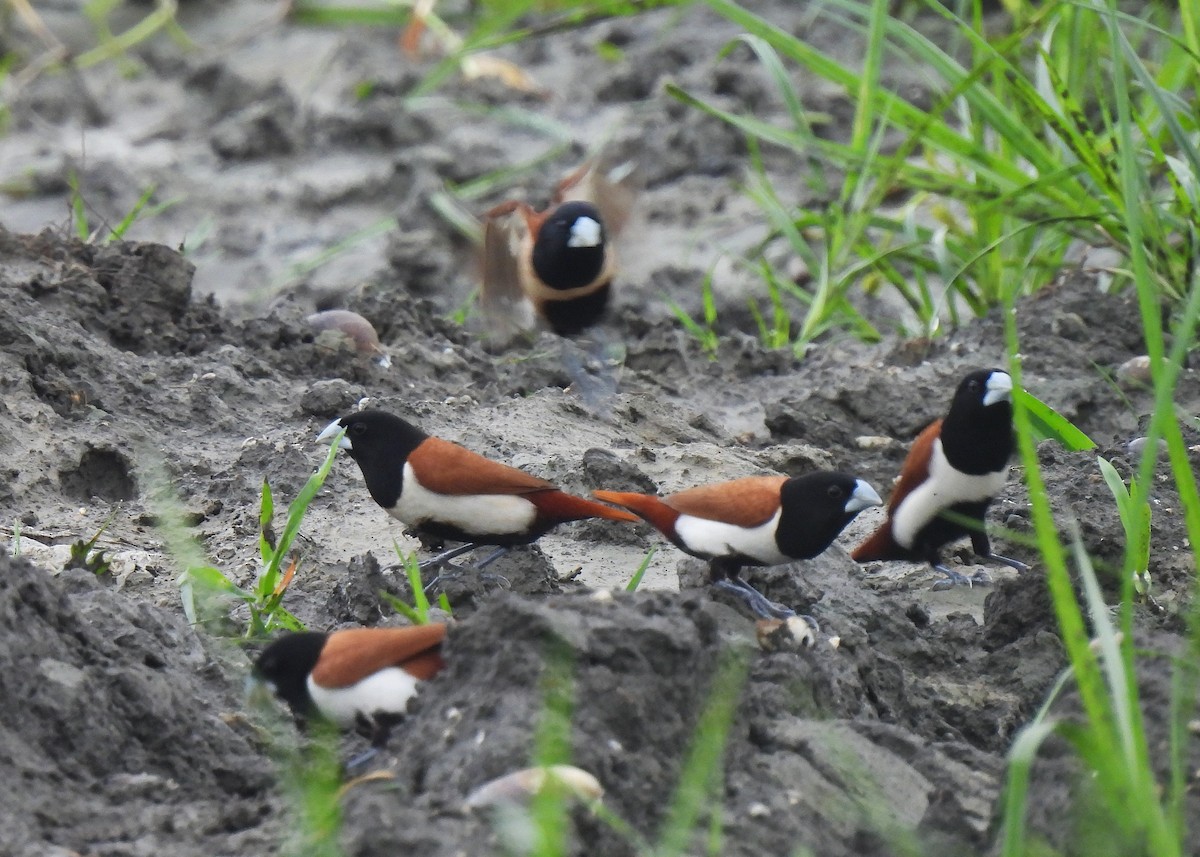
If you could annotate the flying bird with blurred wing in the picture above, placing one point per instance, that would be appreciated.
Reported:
(555, 268)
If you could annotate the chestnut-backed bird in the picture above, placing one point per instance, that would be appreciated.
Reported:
(441, 490)
(755, 521)
(955, 468)
(358, 678)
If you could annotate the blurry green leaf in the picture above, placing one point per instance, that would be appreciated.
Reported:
(636, 580)
(1049, 424)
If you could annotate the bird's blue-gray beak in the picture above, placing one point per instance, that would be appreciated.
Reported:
(330, 432)
(999, 388)
(863, 497)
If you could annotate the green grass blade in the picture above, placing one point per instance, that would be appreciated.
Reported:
(636, 580)
(1016, 788)
(268, 579)
(128, 220)
(700, 776)
(78, 208)
(319, 14)
(405, 610)
(266, 516)
(1048, 424)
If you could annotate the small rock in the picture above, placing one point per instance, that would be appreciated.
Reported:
(1138, 444)
(874, 442)
(1070, 326)
(605, 469)
(329, 398)
(1134, 371)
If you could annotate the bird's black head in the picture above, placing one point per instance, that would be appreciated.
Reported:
(818, 506)
(977, 434)
(380, 442)
(569, 249)
(284, 667)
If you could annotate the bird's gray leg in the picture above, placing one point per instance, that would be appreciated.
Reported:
(725, 576)
(445, 557)
(593, 370)
(442, 560)
(486, 561)
(983, 548)
(953, 579)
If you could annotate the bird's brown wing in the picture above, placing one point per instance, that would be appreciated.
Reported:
(882, 544)
(447, 468)
(612, 188)
(350, 656)
(502, 293)
(915, 469)
(746, 502)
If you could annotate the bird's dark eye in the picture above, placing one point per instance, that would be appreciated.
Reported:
(835, 491)
(358, 429)
(973, 385)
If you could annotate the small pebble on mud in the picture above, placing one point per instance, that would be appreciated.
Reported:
(1136, 446)
(1135, 370)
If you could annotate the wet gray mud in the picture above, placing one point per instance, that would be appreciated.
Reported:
(127, 366)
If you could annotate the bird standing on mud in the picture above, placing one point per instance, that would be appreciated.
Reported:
(441, 490)
(757, 521)
(555, 268)
(956, 465)
(359, 678)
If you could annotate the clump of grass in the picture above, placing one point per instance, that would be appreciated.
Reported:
(703, 330)
(1021, 154)
(1011, 163)
(465, 41)
(110, 46)
(82, 223)
(207, 591)
(419, 611)
(85, 554)
(311, 774)
(1135, 521)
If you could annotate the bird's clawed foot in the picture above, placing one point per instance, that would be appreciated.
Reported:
(761, 606)
(356, 763)
(955, 578)
(442, 561)
(1011, 563)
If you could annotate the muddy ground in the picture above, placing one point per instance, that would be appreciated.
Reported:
(128, 365)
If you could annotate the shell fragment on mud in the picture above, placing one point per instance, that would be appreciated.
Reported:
(360, 332)
(521, 786)
(785, 635)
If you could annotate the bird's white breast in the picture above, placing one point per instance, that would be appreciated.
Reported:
(943, 488)
(715, 538)
(388, 690)
(482, 514)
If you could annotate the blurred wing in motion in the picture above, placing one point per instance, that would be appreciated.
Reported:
(613, 189)
(502, 297)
